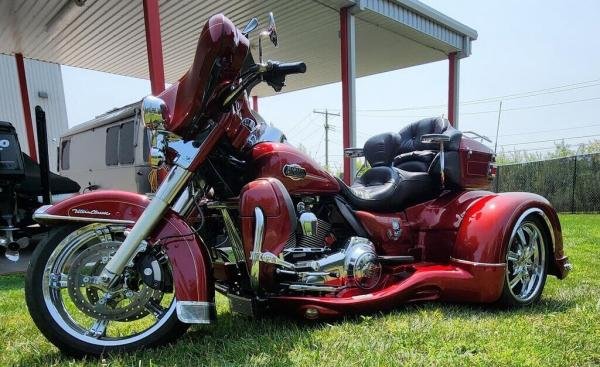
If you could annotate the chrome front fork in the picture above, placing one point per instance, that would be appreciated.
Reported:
(177, 178)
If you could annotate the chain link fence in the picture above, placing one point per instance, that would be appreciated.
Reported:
(571, 184)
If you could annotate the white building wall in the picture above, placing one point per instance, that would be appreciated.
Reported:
(41, 77)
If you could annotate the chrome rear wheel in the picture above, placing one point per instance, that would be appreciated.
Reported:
(526, 262)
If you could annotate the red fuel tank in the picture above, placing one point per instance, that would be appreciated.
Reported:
(299, 173)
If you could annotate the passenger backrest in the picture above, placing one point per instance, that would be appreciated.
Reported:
(410, 135)
(381, 149)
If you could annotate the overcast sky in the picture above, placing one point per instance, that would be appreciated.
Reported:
(522, 46)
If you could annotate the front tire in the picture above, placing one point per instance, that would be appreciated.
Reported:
(527, 256)
(76, 317)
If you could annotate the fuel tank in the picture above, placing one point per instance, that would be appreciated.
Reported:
(299, 173)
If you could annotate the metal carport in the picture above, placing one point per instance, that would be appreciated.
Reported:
(338, 39)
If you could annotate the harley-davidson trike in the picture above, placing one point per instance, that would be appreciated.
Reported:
(246, 214)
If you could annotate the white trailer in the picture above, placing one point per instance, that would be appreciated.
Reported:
(109, 152)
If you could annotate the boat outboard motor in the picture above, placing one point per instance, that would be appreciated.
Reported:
(12, 171)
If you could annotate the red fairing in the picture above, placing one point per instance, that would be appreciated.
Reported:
(271, 197)
(188, 255)
(221, 47)
(379, 226)
(464, 283)
(269, 160)
(486, 229)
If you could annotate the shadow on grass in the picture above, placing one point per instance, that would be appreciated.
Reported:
(12, 282)
(239, 340)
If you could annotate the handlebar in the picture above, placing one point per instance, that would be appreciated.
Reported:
(273, 73)
(289, 68)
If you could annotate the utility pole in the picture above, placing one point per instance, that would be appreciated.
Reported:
(326, 126)
(498, 127)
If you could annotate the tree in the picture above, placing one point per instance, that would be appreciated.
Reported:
(591, 147)
(561, 150)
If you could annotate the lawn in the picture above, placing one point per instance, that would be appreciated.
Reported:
(562, 329)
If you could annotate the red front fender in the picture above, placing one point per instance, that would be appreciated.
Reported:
(487, 224)
(186, 251)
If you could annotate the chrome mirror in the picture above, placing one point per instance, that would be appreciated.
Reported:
(252, 24)
(270, 32)
(272, 29)
(154, 113)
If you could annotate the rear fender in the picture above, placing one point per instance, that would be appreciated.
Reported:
(187, 253)
(487, 225)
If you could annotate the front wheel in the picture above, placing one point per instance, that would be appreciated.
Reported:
(81, 318)
(527, 259)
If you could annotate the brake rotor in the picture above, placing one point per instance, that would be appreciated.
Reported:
(118, 304)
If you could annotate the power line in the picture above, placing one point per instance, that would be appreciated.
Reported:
(300, 122)
(534, 106)
(326, 113)
(549, 140)
(533, 93)
(550, 130)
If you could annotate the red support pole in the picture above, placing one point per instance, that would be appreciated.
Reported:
(154, 46)
(345, 91)
(255, 103)
(26, 106)
(452, 88)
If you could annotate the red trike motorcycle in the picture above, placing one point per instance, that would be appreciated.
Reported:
(246, 214)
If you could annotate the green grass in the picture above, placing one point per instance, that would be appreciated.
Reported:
(562, 329)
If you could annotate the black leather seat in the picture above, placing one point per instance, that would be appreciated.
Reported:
(385, 188)
(413, 155)
(388, 189)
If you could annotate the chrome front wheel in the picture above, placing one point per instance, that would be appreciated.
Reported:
(526, 262)
(78, 315)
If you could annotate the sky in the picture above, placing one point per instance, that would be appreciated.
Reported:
(522, 46)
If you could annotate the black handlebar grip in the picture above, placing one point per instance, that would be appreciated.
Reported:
(290, 68)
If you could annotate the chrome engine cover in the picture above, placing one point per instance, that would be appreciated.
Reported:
(356, 265)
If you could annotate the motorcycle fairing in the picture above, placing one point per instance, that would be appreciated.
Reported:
(476, 227)
(189, 258)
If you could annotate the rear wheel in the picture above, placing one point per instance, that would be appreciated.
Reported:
(526, 263)
(81, 318)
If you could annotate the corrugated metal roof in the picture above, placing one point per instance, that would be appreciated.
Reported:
(108, 35)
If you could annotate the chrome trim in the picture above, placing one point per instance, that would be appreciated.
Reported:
(54, 302)
(194, 312)
(168, 190)
(222, 205)
(270, 258)
(476, 263)
(43, 216)
(308, 223)
(315, 288)
(259, 229)
(158, 148)
(186, 151)
(185, 201)
(154, 113)
(234, 236)
(526, 271)
(542, 214)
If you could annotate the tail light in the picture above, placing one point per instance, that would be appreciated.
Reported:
(492, 170)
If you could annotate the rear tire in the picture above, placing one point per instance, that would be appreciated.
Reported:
(527, 256)
(64, 333)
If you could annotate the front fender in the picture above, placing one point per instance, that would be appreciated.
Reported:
(186, 251)
(487, 225)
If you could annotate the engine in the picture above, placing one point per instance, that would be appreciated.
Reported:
(321, 268)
